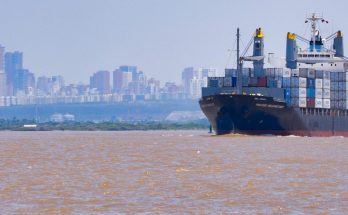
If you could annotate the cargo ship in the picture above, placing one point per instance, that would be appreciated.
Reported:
(305, 93)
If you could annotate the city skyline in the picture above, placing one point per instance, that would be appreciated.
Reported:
(78, 38)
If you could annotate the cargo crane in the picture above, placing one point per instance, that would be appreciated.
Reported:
(257, 58)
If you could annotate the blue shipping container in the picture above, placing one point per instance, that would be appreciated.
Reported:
(310, 83)
(286, 93)
(234, 81)
(310, 92)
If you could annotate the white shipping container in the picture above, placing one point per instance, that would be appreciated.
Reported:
(286, 73)
(319, 93)
(326, 103)
(318, 83)
(302, 102)
(326, 93)
(326, 83)
(302, 82)
(318, 103)
(326, 75)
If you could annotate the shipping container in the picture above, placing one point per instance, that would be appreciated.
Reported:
(310, 83)
(343, 95)
(344, 104)
(343, 85)
(334, 85)
(326, 75)
(295, 73)
(298, 82)
(326, 84)
(319, 93)
(298, 102)
(326, 103)
(342, 76)
(310, 102)
(326, 93)
(319, 74)
(213, 82)
(307, 72)
(318, 103)
(298, 92)
(287, 93)
(228, 82)
(230, 73)
(286, 83)
(286, 73)
(253, 82)
(310, 92)
(334, 76)
(318, 83)
(234, 81)
(262, 81)
(334, 95)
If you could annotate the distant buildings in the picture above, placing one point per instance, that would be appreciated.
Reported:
(194, 79)
(18, 86)
(101, 81)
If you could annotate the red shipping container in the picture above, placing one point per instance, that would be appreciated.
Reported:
(262, 81)
(310, 102)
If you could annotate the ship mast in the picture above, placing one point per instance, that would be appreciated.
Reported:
(239, 67)
(313, 19)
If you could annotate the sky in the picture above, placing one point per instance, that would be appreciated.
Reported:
(75, 38)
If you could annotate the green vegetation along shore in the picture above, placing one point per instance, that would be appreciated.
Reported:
(18, 125)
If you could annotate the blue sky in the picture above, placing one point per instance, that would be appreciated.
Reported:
(161, 37)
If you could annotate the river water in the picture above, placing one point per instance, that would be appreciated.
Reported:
(171, 172)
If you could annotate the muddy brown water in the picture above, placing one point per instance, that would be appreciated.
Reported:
(171, 172)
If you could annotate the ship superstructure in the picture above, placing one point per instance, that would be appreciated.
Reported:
(306, 94)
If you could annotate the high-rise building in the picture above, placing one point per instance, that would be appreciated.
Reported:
(186, 76)
(42, 85)
(57, 83)
(13, 64)
(24, 82)
(131, 69)
(3, 85)
(123, 76)
(2, 55)
(101, 81)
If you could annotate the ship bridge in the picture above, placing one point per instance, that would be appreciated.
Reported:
(316, 52)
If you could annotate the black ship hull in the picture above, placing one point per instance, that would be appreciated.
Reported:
(260, 115)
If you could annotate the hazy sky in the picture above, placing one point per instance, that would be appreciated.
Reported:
(75, 38)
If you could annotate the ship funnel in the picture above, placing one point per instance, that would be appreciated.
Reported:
(258, 51)
(291, 51)
(338, 45)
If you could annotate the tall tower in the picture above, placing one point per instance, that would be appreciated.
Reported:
(3, 84)
(258, 51)
(291, 51)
